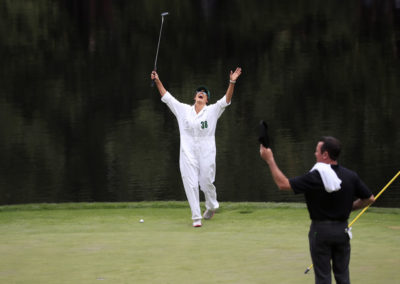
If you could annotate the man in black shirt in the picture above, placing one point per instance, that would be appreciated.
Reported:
(331, 192)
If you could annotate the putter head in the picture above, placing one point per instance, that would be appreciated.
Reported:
(164, 14)
(263, 137)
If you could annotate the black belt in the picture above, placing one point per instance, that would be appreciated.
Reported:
(328, 221)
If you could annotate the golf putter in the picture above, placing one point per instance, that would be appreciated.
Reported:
(158, 45)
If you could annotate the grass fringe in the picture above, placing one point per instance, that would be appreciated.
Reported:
(225, 206)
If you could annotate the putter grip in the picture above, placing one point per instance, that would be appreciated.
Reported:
(152, 81)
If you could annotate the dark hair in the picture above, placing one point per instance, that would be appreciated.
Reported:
(331, 145)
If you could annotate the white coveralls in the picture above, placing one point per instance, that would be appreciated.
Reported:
(197, 150)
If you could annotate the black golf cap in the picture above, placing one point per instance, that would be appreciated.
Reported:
(205, 89)
(263, 137)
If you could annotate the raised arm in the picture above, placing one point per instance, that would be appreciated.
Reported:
(232, 81)
(280, 179)
(160, 86)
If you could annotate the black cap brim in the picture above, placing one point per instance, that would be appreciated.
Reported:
(204, 88)
(263, 137)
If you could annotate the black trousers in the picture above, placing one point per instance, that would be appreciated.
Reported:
(330, 243)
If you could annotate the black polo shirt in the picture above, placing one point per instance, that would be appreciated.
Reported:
(334, 206)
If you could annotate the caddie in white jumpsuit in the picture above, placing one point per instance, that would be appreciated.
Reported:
(197, 125)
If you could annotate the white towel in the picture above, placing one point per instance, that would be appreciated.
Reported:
(328, 176)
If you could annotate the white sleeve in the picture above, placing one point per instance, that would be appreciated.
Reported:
(222, 102)
(220, 106)
(174, 105)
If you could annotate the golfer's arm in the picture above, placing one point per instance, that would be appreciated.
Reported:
(361, 203)
(280, 179)
(229, 92)
(160, 87)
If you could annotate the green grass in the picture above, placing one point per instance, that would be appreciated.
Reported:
(243, 243)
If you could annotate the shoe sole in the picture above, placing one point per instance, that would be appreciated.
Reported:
(212, 215)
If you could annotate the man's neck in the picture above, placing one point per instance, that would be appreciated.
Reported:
(330, 162)
(198, 107)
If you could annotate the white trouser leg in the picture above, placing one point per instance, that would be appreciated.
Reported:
(190, 180)
(206, 179)
(210, 194)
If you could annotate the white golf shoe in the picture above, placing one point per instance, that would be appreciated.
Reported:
(197, 223)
